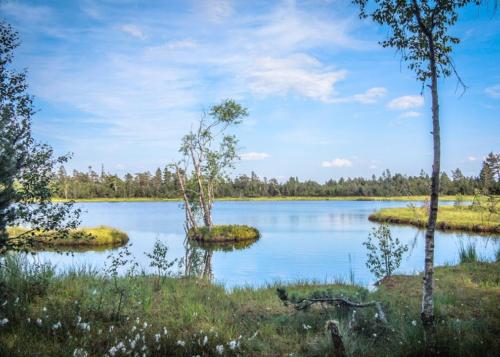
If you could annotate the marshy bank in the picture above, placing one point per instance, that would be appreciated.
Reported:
(86, 312)
(100, 237)
(458, 218)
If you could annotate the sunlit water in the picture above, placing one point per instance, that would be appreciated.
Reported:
(314, 240)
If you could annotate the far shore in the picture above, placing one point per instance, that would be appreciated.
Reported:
(443, 198)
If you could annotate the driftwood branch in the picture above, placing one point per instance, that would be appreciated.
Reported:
(307, 302)
(338, 344)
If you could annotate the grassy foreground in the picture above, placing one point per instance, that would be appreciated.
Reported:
(101, 236)
(275, 198)
(224, 233)
(83, 312)
(462, 218)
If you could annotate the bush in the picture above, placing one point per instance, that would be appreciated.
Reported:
(384, 255)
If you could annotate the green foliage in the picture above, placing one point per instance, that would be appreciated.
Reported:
(225, 233)
(158, 261)
(384, 252)
(26, 167)
(75, 307)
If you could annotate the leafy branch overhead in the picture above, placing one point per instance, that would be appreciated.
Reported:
(26, 167)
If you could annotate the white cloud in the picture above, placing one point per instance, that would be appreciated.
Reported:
(298, 74)
(370, 96)
(373, 167)
(133, 30)
(337, 163)
(493, 92)
(410, 114)
(472, 158)
(254, 156)
(406, 102)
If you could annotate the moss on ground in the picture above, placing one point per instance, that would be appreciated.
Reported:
(224, 233)
(463, 218)
(101, 236)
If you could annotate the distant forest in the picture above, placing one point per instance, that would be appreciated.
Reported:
(164, 184)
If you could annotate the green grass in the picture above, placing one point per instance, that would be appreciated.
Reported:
(462, 218)
(54, 315)
(101, 236)
(225, 233)
(276, 198)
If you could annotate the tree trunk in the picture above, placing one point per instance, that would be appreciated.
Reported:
(207, 218)
(189, 212)
(338, 344)
(427, 313)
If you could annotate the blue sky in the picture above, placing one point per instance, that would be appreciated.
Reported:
(118, 83)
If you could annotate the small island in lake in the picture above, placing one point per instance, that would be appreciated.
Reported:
(101, 236)
(224, 233)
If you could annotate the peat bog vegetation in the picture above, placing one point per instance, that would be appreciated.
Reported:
(85, 312)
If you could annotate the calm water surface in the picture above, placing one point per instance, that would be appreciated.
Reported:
(300, 239)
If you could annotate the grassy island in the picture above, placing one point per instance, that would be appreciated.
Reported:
(49, 314)
(461, 218)
(225, 234)
(101, 236)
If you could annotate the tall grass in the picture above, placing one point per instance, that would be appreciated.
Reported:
(467, 253)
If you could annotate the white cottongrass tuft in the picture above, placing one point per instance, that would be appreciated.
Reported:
(181, 343)
(4, 321)
(219, 349)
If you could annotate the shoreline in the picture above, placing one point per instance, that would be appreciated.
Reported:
(444, 198)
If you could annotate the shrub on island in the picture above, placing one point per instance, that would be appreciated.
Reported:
(101, 236)
(224, 233)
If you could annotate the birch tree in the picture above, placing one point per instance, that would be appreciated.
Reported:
(419, 31)
(209, 152)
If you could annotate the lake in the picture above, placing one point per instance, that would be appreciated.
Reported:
(320, 240)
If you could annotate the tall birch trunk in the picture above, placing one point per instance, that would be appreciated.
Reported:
(427, 313)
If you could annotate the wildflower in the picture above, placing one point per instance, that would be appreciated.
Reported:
(80, 352)
(84, 326)
(99, 332)
(4, 321)
(376, 315)
(306, 327)
(28, 319)
(57, 325)
(219, 349)
(94, 292)
(17, 300)
(133, 328)
(78, 319)
(112, 351)
(39, 322)
(233, 345)
(414, 323)
(157, 338)
(374, 335)
(132, 344)
(165, 331)
(181, 343)
(111, 328)
(44, 309)
(205, 340)
(145, 325)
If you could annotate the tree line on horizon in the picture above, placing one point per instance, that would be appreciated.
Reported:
(165, 184)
